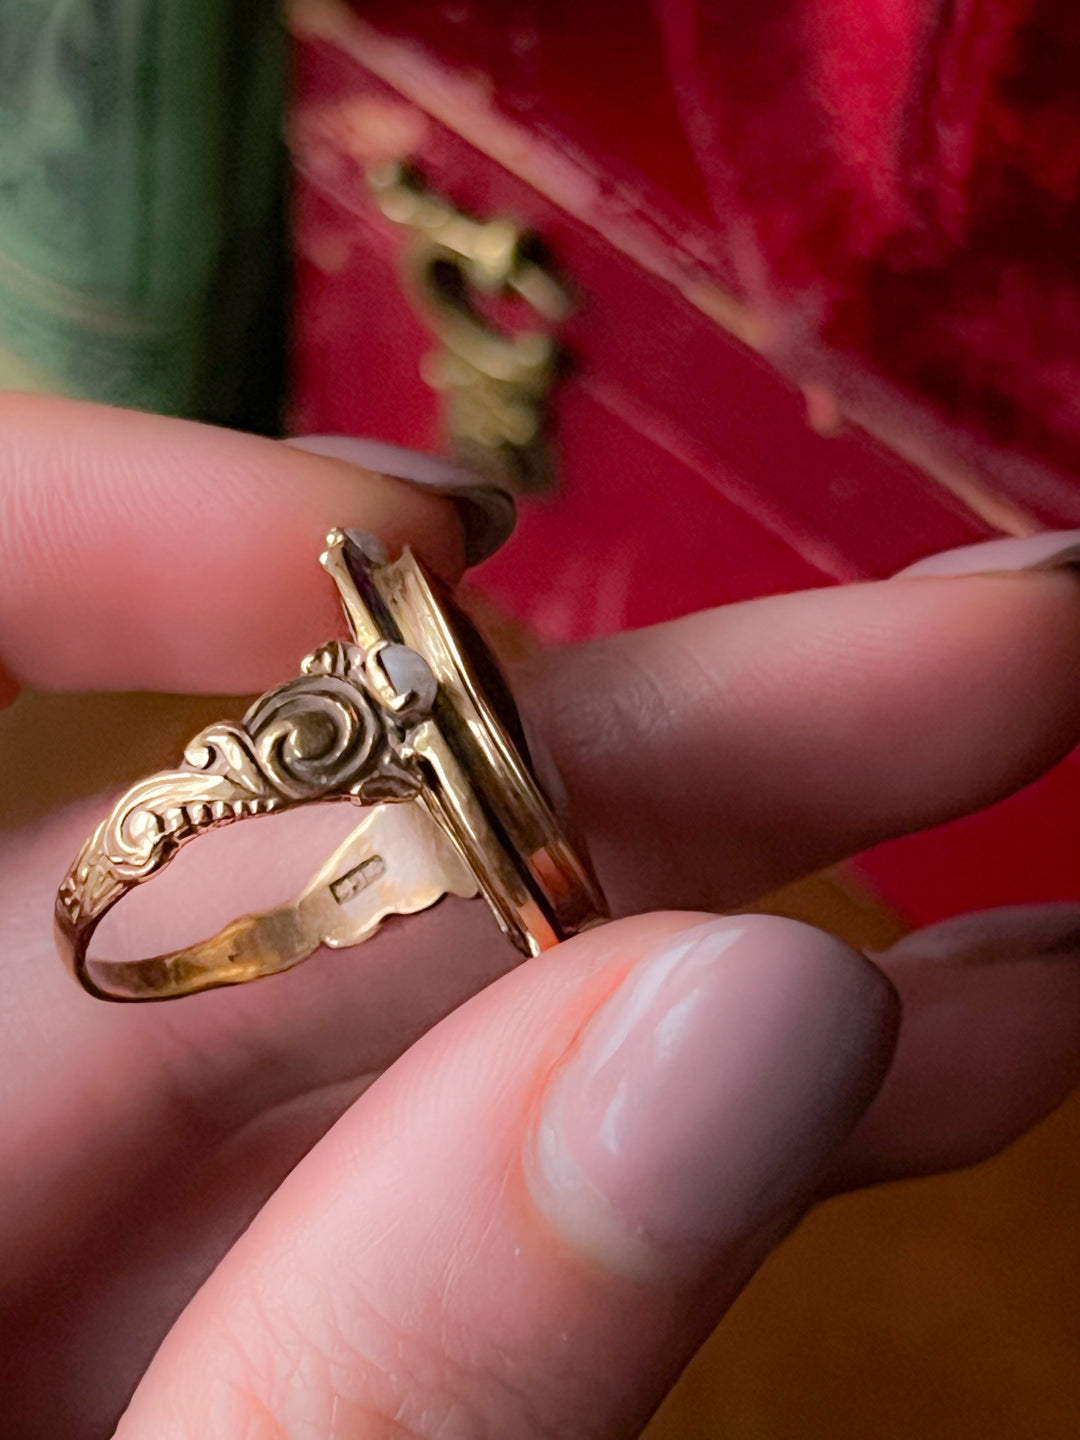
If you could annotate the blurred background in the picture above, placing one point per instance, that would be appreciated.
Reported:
(738, 300)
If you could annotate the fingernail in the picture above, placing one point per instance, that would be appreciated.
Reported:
(1008, 934)
(1048, 550)
(703, 1101)
(487, 515)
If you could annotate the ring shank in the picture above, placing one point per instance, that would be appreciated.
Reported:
(395, 861)
(245, 949)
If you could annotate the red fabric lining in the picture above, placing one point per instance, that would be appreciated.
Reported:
(897, 180)
(908, 186)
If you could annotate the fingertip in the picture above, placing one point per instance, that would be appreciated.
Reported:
(487, 514)
(723, 1058)
(1042, 550)
(701, 1101)
(154, 553)
(989, 1043)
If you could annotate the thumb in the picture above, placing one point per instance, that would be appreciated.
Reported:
(527, 1226)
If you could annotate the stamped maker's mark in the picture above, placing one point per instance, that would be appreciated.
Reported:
(346, 887)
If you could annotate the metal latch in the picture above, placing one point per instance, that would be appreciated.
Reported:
(495, 380)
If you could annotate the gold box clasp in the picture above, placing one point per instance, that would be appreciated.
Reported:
(495, 381)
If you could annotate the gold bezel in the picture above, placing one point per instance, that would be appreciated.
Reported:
(479, 787)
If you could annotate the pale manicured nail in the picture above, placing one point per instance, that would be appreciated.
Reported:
(487, 515)
(704, 1099)
(1007, 935)
(1045, 551)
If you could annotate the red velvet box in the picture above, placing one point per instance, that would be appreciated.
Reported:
(812, 340)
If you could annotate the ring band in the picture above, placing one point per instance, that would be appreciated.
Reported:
(410, 719)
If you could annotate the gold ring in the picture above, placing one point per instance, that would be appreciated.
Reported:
(412, 720)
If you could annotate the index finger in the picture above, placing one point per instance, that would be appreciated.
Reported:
(139, 552)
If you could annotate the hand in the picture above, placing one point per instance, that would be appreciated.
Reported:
(488, 1242)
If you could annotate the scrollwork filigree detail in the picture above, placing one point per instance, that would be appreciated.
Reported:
(316, 736)
(336, 658)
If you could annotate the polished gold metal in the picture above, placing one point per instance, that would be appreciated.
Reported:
(401, 719)
(495, 383)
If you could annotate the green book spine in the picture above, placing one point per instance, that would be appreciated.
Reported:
(142, 184)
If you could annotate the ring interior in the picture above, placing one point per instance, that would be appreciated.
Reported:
(394, 861)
